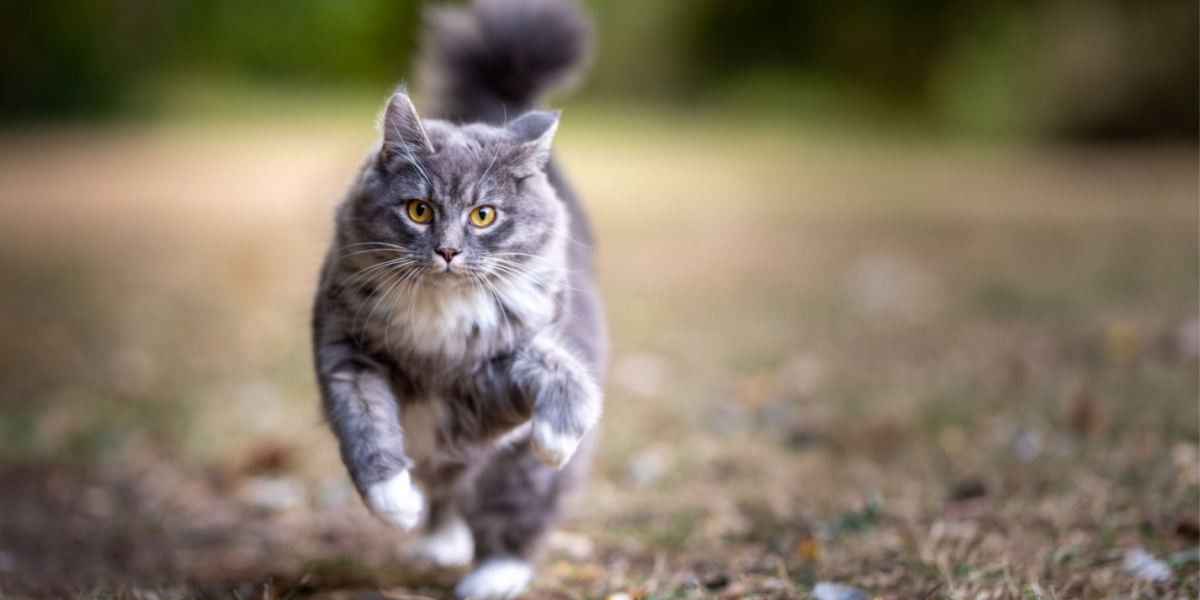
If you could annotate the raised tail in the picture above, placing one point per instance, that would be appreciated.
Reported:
(498, 58)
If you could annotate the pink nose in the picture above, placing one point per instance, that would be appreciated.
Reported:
(448, 253)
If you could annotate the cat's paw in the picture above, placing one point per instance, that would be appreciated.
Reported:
(552, 447)
(396, 501)
(449, 545)
(495, 578)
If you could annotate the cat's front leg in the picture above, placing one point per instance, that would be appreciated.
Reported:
(364, 415)
(566, 398)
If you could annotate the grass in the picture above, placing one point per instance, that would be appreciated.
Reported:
(923, 369)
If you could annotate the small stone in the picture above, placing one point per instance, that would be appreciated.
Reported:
(273, 494)
(1143, 565)
(646, 468)
(1027, 446)
(834, 591)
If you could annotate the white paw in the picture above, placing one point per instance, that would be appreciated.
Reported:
(396, 501)
(447, 546)
(496, 578)
(551, 447)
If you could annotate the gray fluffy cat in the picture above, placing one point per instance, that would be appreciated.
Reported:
(458, 333)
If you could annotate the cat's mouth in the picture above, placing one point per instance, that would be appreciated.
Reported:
(452, 274)
(452, 270)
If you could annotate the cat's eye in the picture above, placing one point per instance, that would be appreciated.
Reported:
(482, 216)
(420, 211)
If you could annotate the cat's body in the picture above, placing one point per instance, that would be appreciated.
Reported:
(458, 334)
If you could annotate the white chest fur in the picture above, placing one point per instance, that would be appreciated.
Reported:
(455, 321)
(442, 321)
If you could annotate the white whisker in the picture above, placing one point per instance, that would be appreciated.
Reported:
(392, 280)
(364, 276)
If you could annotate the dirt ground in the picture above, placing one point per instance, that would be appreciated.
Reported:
(924, 370)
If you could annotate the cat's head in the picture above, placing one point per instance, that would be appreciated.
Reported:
(451, 204)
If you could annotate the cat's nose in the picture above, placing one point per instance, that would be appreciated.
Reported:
(449, 253)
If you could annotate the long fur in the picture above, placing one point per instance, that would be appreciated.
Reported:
(501, 57)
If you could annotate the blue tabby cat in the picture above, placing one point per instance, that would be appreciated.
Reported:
(458, 333)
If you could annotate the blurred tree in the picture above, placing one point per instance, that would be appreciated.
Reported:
(86, 56)
(57, 58)
(314, 40)
(887, 47)
(1118, 68)
(1069, 68)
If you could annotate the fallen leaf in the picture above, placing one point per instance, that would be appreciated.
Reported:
(577, 573)
(1084, 414)
(807, 550)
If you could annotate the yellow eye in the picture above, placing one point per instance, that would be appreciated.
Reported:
(420, 211)
(482, 216)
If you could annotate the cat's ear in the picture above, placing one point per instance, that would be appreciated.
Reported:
(534, 131)
(403, 134)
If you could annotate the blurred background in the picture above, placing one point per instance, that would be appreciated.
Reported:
(903, 296)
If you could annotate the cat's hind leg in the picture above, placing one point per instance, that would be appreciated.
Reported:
(512, 505)
(446, 539)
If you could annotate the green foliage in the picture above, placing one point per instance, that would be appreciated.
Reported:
(90, 56)
(1110, 68)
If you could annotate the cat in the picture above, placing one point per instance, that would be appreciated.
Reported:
(459, 337)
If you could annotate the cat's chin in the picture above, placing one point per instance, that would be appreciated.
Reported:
(447, 279)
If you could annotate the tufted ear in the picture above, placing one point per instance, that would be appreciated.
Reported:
(403, 134)
(535, 131)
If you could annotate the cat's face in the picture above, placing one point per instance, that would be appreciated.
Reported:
(451, 205)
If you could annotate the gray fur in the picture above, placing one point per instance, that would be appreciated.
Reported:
(502, 56)
(503, 340)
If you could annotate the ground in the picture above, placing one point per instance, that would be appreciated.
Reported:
(924, 369)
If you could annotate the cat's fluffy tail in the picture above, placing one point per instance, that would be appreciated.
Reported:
(498, 58)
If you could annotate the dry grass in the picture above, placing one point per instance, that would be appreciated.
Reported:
(925, 370)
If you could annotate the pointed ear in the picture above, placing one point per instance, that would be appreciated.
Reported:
(403, 133)
(535, 131)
